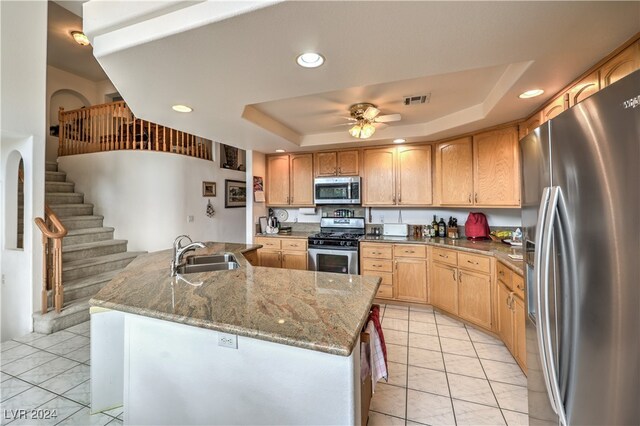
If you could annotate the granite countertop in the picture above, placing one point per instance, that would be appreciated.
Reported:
(500, 251)
(313, 310)
(291, 235)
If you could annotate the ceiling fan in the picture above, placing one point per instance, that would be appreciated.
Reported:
(367, 120)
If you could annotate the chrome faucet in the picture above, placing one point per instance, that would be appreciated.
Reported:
(179, 250)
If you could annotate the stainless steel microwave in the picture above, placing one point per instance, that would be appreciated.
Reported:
(337, 190)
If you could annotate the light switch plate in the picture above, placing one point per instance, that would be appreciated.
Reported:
(228, 340)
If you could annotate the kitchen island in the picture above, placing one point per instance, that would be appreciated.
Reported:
(250, 345)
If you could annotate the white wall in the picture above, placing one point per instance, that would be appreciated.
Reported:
(147, 196)
(22, 130)
(259, 167)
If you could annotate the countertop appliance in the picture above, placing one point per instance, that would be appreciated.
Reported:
(335, 248)
(395, 229)
(580, 212)
(337, 190)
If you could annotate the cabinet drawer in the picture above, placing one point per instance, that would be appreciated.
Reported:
(376, 251)
(445, 256)
(474, 262)
(294, 245)
(518, 286)
(387, 277)
(268, 242)
(377, 265)
(409, 250)
(385, 292)
(504, 274)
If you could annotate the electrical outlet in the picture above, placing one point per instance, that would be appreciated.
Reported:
(190, 219)
(381, 218)
(228, 340)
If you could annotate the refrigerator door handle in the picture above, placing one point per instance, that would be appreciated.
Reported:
(539, 282)
(556, 203)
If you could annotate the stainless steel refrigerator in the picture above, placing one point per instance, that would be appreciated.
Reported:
(581, 216)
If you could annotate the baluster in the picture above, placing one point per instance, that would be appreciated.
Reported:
(157, 146)
(164, 139)
(45, 301)
(59, 298)
(149, 135)
(128, 127)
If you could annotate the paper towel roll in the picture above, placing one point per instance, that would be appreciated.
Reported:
(307, 210)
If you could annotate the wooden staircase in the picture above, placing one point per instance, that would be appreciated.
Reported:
(91, 257)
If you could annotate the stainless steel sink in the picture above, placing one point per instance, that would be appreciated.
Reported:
(213, 258)
(207, 267)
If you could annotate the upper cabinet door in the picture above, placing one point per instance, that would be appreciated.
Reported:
(454, 172)
(621, 65)
(583, 89)
(301, 193)
(326, 164)
(557, 106)
(379, 177)
(414, 176)
(497, 168)
(348, 163)
(278, 180)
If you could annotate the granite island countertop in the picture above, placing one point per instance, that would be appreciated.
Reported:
(313, 310)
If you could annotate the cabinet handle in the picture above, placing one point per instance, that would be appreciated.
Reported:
(454, 274)
(520, 288)
(476, 198)
(377, 266)
(469, 197)
(394, 198)
(501, 273)
(409, 251)
(442, 255)
(396, 262)
(399, 198)
(339, 169)
(291, 199)
(473, 263)
(460, 276)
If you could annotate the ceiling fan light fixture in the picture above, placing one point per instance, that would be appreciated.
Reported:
(367, 131)
(80, 38)
(310, 60)
(355, 131)
(531, 93)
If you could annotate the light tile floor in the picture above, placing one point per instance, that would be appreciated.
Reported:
(441, 372)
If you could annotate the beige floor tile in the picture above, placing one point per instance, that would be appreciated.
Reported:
(511, 397)
(424, 341)
(67, 380)
(29, 399)
(52, 339)
(16, 353)
(421, 308)
(515, 419)
(62, 408)
(464, 365)
(428, 408)
(422, 317)
(85, 418)
(396, 353)
(459, 333)
(379, 419)
(47, 371)
(426, 359)
(426, 380)
(482, 337)
(391, 306)
(27, 363)
(81, 393)
(396, 313)
(69, 346)
(471, 389)
(504, 372)
(12, 387)
(468, 413)
(457, 347)
(389, 323)
(494, 352)
(9, 344)
(423, 328)
(397, 374)
(389, 400)
(446, 320)
(396, 337)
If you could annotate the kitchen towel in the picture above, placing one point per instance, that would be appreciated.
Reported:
(378, 364)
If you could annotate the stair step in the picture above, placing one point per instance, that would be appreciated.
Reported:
(51, 166)
(85, 287)
(73, 312)
(63, 210)
(64, 197)
(55, 176)
(93, 249)
(82, 222)
(59, 187)
(96, 265)
(87, 235)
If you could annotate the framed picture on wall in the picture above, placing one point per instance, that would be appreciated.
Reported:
(235, 193)
(208, 189)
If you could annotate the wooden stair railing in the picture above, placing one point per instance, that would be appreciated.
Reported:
(52, 233)
(113, 127)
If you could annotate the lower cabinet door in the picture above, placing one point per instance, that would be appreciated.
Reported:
(505, 316)
(520, 348)
(410, 276)
(474, 297)
(294, 260)
(270, 259)
(444, 287)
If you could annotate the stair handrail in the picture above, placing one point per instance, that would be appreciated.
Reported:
(51, 257)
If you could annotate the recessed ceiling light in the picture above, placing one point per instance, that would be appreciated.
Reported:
(80, 38)
(279, 150)
(182, 108)
(400, 140)
(310, 60)
(531, 93)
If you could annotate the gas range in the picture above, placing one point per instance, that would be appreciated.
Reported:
(335, 247)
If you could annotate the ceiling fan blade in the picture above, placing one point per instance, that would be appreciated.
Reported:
(343, 124)
(371, 113)
(389, 118)
(380, 126)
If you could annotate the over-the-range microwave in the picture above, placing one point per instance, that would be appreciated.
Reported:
(337, 190)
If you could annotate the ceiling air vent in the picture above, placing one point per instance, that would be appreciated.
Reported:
(416, 100)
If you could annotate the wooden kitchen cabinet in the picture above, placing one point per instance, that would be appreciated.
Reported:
(337, 163)
(414, 176)
(444, 287)
(294, 260)
(379, 177)
(454, 172)
(411, 279)
(505, 316)
(496, 168)
(520, 339)
(474, 297)
(287, 253)
(511, 313)
(530, 125)
(270, 258)
(621, 65)
(556, 106)
(583, 89)
(376, 260)
(290, 180)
